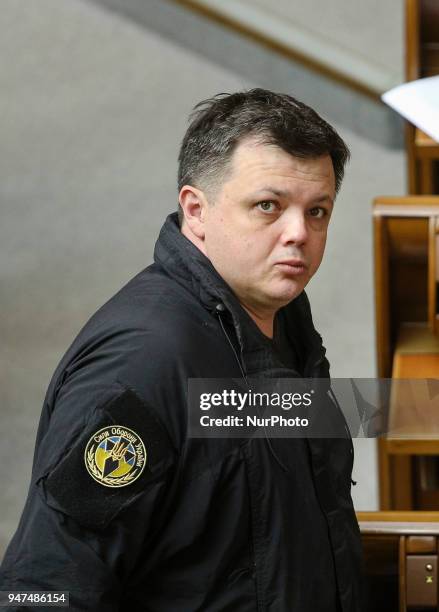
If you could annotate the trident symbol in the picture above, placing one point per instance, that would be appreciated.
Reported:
(116, 454)
(118, 451)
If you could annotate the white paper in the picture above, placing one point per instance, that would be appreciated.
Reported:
(417, 101)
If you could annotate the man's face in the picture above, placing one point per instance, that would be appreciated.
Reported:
(265, 232)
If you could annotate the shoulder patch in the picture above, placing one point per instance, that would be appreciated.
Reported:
(115, 456)
(116, 459)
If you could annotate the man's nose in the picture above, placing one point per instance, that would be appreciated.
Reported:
(295, 229)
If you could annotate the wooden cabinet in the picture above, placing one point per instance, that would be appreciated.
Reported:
(407, 323)
(401, 552)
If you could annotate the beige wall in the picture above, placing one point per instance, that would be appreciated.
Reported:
(368, 28)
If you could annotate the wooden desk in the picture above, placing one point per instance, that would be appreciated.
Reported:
(406, 281)
(409, 423)
(413, 425)
(401, 560)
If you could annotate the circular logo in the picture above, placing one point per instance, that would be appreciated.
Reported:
(115, 456)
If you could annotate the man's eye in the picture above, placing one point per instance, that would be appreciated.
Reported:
(266, 206)
(318, 212)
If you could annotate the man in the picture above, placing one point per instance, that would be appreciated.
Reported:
(125, 510)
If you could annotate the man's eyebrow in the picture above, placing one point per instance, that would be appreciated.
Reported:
(281, 193)
(324, 198)
(277, 192)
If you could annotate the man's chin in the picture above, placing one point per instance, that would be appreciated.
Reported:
(288, 293)
(279, 300)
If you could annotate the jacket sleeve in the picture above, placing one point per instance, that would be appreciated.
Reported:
(83, 529)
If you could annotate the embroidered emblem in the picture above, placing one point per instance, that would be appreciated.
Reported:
(115, 456)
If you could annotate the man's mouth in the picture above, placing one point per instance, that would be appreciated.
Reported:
(292, 266)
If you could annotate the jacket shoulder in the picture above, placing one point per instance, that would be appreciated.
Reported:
(145, 338)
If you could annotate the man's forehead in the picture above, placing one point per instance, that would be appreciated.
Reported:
(254, 148)
(260, 159)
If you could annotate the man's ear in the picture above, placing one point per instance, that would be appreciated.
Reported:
(193, 203)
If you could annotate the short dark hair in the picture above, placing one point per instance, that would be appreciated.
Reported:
(218, 124)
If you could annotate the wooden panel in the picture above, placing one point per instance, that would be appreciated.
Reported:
(410, 149)
(428, 520)
(405, 282)
(416, 338)
(429, 21)
(392, 543)
(412, 71)
(382, 306)
(401, 259)
(380, 555)
(413, 418)
(421, 581)
(412, 57)
(433, 270)
(384, 472)
(411, 201)
(422, 60)
(427, 147)
(427, 499)
(430, 59)
(426, 176)
(402, 575)
(408, 288)
(424, 140)
(416, 544)
(419, 365)
(401, 482)
(408, 238)
(412, 447)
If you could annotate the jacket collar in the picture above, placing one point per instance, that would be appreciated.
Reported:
(188, 266)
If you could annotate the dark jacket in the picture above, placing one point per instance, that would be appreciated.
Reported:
(208, 525)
